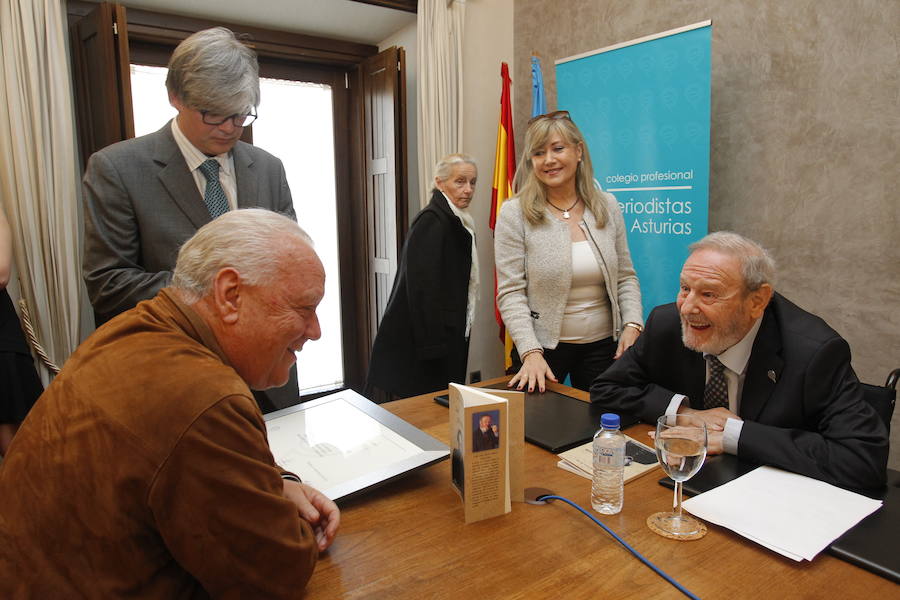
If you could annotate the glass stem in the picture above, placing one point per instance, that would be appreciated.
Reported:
(678, 495)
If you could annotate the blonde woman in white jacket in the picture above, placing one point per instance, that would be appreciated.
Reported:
(566, 287)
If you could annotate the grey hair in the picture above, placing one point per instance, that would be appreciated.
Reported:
(246, 240)
(444, 168)
(757, 265)
(212, 70)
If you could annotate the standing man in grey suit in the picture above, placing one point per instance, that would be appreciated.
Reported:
(143, 198)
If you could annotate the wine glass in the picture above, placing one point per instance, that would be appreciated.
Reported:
(681, 449)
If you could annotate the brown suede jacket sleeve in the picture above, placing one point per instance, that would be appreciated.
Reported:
(220, 510)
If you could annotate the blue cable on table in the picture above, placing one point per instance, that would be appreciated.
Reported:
(636, 554)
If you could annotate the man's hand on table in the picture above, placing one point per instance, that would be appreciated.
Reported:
(316, 509)
(715, 419)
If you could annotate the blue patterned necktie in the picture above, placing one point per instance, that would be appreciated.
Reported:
(214, 198)
(716, 392)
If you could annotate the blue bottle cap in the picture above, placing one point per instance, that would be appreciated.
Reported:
(609, 421)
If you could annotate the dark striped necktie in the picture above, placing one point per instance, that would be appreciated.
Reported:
(214, 198)
(716, 392)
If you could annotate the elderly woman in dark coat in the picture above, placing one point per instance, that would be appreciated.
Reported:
(423, 341)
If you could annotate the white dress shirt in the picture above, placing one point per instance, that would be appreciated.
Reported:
(194, 158)
(735, 360)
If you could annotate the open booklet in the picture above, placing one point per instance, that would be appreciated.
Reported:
(639, 459)
(487, 438)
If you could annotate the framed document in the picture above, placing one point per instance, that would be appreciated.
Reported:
(343, 444)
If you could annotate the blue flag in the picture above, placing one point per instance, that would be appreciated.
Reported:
(538, 102)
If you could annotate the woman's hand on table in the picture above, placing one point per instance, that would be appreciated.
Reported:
(534, 372)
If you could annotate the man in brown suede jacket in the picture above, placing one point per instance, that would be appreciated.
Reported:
(144, 471)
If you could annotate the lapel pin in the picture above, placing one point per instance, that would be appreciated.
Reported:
(771, 375)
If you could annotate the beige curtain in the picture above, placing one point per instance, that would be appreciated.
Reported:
(440, 106)
(38, 180)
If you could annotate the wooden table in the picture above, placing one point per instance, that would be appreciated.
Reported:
(408, 539)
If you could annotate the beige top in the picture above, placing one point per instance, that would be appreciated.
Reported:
(587, 317)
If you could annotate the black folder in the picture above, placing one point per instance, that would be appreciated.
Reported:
(873, 543)
(557, 422)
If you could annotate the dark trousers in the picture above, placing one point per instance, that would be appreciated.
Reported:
(583, 362)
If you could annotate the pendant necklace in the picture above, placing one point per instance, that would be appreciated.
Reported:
(565, 211)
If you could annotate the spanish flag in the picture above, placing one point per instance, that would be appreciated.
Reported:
(504, 172)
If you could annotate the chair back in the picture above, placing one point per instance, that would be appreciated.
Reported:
(883, 398)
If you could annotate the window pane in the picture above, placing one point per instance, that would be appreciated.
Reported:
(150, 99)
(295, 124)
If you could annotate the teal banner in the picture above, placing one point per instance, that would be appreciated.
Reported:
(644, 108)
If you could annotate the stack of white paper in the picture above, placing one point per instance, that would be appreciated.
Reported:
(791, 514)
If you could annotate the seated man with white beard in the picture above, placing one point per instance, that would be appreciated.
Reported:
(772, 382)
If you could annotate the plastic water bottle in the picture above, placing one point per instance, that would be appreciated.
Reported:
(607, 488)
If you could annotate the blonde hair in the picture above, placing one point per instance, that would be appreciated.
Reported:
(532, 193)
(444, 168)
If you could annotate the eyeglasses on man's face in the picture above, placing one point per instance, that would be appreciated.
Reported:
(243, 120)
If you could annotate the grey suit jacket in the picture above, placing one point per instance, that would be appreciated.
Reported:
(141, 204)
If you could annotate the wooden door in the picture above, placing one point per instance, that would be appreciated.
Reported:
(102, 78)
